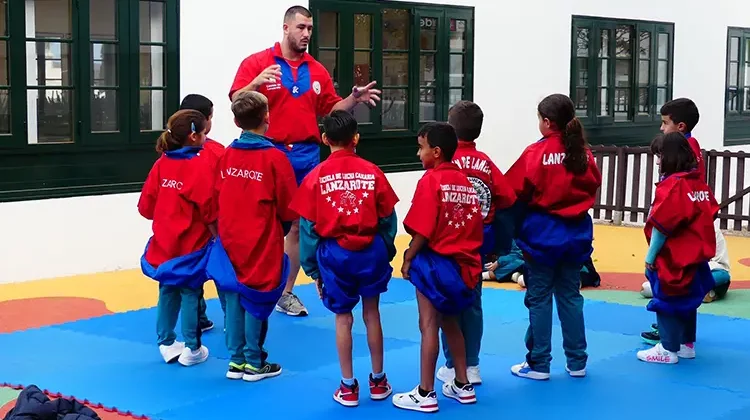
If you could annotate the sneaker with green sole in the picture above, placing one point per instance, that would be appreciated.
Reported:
(269, 370)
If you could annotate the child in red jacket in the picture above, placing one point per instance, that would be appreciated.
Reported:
(178, 197)
(556, 178)
(247, 262)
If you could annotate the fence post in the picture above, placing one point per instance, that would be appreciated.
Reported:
(620, 183)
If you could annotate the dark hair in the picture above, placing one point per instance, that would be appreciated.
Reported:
(466, 117)
(199, 103)
(675, 153)
(294, 10)
(340, 128)
(442, 135)
(179, 128)
(682, 110)
(560, 110)
(250, 109)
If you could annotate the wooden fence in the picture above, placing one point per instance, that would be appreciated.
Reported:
(629, 174)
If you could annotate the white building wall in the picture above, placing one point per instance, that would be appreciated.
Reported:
(522, 53)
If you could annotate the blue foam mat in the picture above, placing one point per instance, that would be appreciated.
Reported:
(114, 360)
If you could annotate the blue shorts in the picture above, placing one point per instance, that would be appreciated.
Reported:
(439, 279)
(304, 156)
(347, 275)
(703, 282)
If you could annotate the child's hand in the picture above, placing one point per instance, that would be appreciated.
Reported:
(405, 269)
(491, 266)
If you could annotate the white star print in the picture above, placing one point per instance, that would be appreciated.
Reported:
(365, 195)
(328, 199)
(333, 204)
(463, 223)
(348, 213)
(356, 210)
(474, 209)
(447, 215)
(457, 226)
(341, 210)
(360, 201)
(450, 222)
(468, 216)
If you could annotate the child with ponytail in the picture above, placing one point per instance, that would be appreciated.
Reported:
(178, 197)
(556, 180)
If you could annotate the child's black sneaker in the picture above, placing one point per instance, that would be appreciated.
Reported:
(235, 371)
(206, 325)
(269, 370)
(655, 327)
(651, 337)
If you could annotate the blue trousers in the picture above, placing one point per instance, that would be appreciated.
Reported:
(246, 334)
(471, 321)
(562, 281)
(177, 302)
(677, 329)
(202, 317)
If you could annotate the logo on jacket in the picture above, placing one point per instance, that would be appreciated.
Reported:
(484, 194)
(316, 87)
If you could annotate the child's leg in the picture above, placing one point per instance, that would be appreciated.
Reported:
(690, 323)
(472, 327)
(722, 280)
(235, 330)
(257, 366)
(428, 327)
(344, 324)
(189, 314)
(203, 320)
(455, 339)
(671, 330)
(570, 312)
(371, 317)
(539, 334)
(167, 312)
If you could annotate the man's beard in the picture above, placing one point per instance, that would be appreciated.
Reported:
(297, 47)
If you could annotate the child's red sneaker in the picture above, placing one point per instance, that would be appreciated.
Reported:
(380, 389)
(348, 396)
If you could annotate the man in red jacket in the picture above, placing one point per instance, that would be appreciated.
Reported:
(299, 90)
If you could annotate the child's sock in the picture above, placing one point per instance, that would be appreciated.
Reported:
(348, 382)
(378, 376)
(422, 392)
(485, 275)
(459, 384)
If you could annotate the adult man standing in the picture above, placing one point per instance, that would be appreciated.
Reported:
(299, 90)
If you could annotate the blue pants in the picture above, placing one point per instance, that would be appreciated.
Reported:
(471, 321)
(722, 280)
(202, 317)
(246, 334)
(174, 302)
(676, 329)
(562, 281)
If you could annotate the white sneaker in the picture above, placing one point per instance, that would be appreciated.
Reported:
(523, 370)
(465, 395)
(521, 282)
(658, 354)
(190, 358)
(415, 402)
(172, 352)
(576, 373)
(687, 351)
(472, 373)
(446, 374)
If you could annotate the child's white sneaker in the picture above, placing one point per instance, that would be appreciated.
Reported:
(190, 357)
(415, 402)
(687, 351)
(523, 370)
(446, 374)
(464, 395)
(172, 352)
(658, 354)
(576, 373)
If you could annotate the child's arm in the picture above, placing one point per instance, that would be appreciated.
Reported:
(308, 248)
(388, 227)
(657, 242)
(417, 243)
(147, 201)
